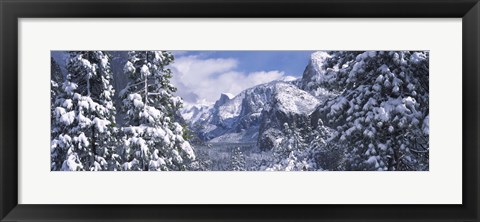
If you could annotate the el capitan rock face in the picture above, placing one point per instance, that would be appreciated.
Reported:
(239, 115)
(256, 114)
(259, 113)
(289, 105)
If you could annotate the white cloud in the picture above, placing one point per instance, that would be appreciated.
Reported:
(200, 79)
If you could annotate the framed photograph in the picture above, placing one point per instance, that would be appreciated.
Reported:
(225, 110)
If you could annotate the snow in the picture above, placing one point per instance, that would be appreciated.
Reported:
(210, 128)
(166, 140)
(99, 162)
(341, 102)
(65, 139)
(370, 103)
(372, 54)
(70, 87)
(381, 114)
(293, 100)
(101, 124)
(137, 100)
(83, 121)
(288, 78)
(231, 108)
(426, 125)
(397, 82)
(84, 62)
(158, 57)
(59, 111)
(129, 67)
(365, 55)
(317, 60)
(384, 69)
(145, 71)
(390, 129)
(72, 163)
(151, 114)
(373, 161)
(188, 150)
(411, 87)
(195, 113)
(107, 94)
(84, 104)
(417, 57)
(67, 118)
(130, 165)
(382, 146)
(176, 100)
(104, 61)
(157, 132)
(82, 140)
(67, 104)
(409, 101)
(358, 67)
(139, 142)
(379, 78)
(368, 133)
(350, 130)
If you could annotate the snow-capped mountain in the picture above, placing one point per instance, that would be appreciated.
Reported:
(195, 113)
(261, 111)
(248, 115)
(289, 105)
(236, 116)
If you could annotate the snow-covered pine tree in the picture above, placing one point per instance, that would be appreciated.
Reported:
(152, 139)
(238, 160)
(325, 154)
(83, 128)
(382, 111)
(291, 153)
(56, 80)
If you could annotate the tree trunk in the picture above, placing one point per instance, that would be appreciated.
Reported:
(94, 148)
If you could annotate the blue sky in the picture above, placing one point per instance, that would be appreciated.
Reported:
(201, 76)
(291, 62)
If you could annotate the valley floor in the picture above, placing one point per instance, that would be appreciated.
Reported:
(233, 156)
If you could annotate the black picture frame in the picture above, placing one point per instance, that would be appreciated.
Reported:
(12, 10)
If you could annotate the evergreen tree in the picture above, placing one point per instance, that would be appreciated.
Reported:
(152, 139)
(292, 153)
(56, 80)
(238, 160)
(381, 114)
(83, 124)
(326, 155)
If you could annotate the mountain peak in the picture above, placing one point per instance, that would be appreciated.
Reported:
(317, 58)
(224, 97)
(291, 99)
(229, 95)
